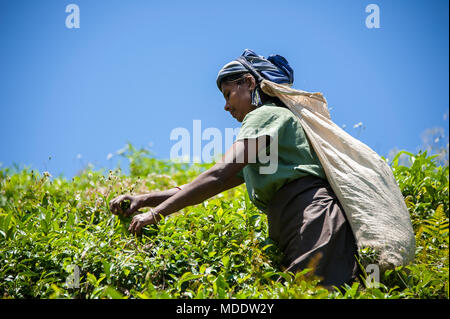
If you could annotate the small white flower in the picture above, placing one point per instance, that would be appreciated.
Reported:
(47, 174)
(358, 125)
(109, 156)
(79, 156)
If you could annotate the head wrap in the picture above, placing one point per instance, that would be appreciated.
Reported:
(275, 68)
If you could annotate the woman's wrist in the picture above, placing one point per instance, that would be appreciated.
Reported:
(145, 200)
(155, 215)
(153, 199)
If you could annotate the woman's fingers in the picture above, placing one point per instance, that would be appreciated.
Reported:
(133, 207)
(130, 205)
(140, 221)
(135, 226)
(113, 206)
(116, 206)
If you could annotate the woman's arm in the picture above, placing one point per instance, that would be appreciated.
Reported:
(218, 178)
(136, 202)
(157, 197)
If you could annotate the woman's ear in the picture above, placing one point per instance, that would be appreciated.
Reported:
(251, 82)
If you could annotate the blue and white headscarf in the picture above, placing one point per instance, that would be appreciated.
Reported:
(275, 68)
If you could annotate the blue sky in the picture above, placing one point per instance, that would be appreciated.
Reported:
(136, 70)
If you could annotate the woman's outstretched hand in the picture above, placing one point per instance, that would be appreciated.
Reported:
(125, 205)
(142, 220)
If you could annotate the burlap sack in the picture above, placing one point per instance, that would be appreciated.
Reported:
(361, 179)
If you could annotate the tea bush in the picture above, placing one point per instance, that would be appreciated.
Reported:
(58, 239)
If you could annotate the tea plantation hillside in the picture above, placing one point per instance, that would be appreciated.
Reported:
(58, 239)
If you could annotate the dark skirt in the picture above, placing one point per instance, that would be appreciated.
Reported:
(309, 224)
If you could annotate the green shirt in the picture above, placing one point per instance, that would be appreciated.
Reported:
(295, 158)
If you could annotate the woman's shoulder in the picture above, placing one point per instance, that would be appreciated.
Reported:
(271, 110)
(269, 116)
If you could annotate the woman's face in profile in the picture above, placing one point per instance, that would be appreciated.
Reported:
(238, 97)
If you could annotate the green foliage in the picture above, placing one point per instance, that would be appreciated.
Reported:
(217, 249)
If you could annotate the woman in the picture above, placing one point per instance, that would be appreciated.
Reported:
(304, 215)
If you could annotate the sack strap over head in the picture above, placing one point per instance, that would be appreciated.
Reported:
(251, 69)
